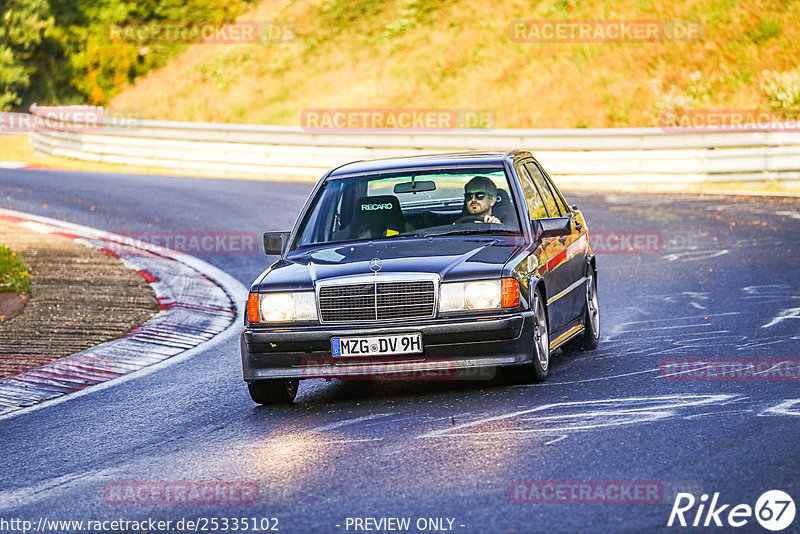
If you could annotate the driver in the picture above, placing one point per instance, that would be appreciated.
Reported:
(480, 194)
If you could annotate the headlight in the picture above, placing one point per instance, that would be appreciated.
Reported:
(277, 307)
(282, 307)
(478, 295)
(482, 295)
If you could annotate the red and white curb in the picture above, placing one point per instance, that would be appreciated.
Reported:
(13, 165)
(198, 303)
(28, 166)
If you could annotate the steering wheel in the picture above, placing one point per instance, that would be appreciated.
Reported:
(468, 219)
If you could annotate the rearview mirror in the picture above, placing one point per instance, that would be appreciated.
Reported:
(275, 242)
(551, 227)
(415, 186)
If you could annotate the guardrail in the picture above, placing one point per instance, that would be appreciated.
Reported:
(585, 156)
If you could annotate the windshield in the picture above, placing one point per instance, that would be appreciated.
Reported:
(414, 202)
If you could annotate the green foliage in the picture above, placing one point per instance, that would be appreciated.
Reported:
(27, 36)
(782, 90)
(414, 14)
(14, 276)
(62, 51)
(339, 14)
(764, 31)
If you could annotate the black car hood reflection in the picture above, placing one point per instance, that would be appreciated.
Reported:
(452, 258)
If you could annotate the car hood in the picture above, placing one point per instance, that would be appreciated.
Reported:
(452, 258)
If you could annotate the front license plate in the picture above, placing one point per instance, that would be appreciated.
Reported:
(377, 345)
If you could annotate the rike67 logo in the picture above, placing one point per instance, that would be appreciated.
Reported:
(774, 510)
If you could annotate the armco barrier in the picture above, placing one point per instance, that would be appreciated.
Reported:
(586, 156)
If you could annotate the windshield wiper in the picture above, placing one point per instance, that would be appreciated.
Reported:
(495, 231)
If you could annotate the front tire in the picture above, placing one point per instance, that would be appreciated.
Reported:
(591, 320)
(539, 367)
(274, 391)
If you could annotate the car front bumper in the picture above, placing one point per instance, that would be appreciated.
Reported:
(451, 348)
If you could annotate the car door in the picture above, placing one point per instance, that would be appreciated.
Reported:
(576, 244)
(551, 253)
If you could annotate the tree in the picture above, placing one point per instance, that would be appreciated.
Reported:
(27, 26)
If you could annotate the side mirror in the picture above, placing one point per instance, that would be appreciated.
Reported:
(275, 242)
(551, 227)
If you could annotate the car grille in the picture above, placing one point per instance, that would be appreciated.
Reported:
(377, 301)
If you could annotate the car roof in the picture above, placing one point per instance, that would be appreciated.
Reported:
(429, 160)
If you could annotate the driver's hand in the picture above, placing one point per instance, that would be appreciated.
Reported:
(491, 219)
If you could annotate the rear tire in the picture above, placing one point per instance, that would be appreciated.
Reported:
(274, 390)
(591, 321)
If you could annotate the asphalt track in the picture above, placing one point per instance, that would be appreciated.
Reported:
(721, 282)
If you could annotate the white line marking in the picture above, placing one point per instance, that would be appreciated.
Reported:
(42, 490)
(631, 415)
(698, 306)
(341, 441)
(784, 408)
(752, 290)
(764, 343)
(666, 327)
(693, 255)
(790, 313)
(588, 379)
(663, 320)
(589, 420)
(556, 440)
(339, 424)
(724, 412)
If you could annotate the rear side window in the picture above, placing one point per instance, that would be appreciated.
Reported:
(532, 198)
(557, 195)
(544, 189)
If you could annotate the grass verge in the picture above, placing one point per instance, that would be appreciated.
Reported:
(14, 276)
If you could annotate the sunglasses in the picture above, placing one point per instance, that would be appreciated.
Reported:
(480, 195)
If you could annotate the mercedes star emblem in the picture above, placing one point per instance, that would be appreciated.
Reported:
(375, 265)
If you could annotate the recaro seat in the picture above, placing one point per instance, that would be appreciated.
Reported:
(376, 217)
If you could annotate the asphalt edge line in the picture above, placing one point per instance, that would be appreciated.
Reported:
(235, 291)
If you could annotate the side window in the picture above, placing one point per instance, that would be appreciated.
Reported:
(544, 189)
(557, 195)
(535, 206)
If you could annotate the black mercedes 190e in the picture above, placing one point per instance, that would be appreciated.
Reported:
(440, 263)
